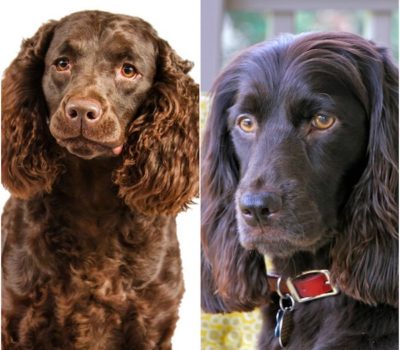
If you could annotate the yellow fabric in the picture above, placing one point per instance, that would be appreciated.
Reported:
(234, 331)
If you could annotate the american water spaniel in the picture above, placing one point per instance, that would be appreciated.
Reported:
(99, 152)
(300, 163)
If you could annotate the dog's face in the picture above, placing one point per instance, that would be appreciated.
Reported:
(299, 134)
(98, 69)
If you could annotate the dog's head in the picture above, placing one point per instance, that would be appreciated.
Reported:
(98, 69)
(300, 152)
(99, 85)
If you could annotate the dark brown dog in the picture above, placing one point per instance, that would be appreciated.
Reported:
(300, 162)
(99, 151)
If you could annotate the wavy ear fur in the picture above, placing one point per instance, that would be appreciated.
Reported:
(29, 162)
(365, 258)
(232, 278)
(159, 173)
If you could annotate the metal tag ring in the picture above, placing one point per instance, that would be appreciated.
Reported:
(287, 297)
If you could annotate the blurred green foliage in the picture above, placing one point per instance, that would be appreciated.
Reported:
(252, 24)
(242, 29)
(327, 20)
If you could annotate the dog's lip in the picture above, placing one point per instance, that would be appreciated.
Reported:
(280, 247)
(115, 149)
(263, 237)
(277, 241)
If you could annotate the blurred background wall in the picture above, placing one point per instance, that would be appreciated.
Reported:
(227, 26)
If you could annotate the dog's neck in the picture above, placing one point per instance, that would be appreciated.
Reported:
(302, 261)
(87, 184)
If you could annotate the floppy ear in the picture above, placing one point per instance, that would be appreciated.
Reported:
(365, 258)
(232, 278)
(29, 162)
(159, 173)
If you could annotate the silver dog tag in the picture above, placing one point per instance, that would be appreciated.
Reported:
(284, 326)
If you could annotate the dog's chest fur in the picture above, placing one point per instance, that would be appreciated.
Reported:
(90, 278)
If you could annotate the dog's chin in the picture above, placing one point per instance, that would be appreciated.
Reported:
(87, 149)
(276, 242)
(280, 248)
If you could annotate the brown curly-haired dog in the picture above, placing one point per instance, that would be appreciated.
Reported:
(99, 151)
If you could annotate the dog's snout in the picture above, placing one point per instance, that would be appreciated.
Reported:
(83, 110)
(258, 207)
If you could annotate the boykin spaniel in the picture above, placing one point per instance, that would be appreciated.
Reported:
(300, 163)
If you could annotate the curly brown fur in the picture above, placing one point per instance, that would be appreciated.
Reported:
(98, 164)
(310, 198)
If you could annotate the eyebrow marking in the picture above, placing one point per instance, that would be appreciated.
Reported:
(72, 47)
(119, 48)
(119, 53)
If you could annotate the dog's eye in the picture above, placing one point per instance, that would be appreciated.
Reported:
(323, 121)
(246, 123)
(128, 71)
(62, 64)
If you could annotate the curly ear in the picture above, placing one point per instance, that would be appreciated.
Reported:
(365, 258)
(232, 277)
(29, 164)
(159, 173)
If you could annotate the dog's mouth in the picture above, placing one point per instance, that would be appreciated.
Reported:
(275, 240)
(88, 149)
(272, 247)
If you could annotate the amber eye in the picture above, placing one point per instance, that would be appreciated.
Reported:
(62, 64)
(323, 121)
(246, 123)
(128, 70)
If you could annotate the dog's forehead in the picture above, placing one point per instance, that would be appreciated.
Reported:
(86, 29)
(295, 67)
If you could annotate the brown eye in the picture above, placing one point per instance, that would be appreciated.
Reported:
(128, 70)
(323, 121)
(62, 64)
(246, 123)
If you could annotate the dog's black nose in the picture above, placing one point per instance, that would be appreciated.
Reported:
(257, 207)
